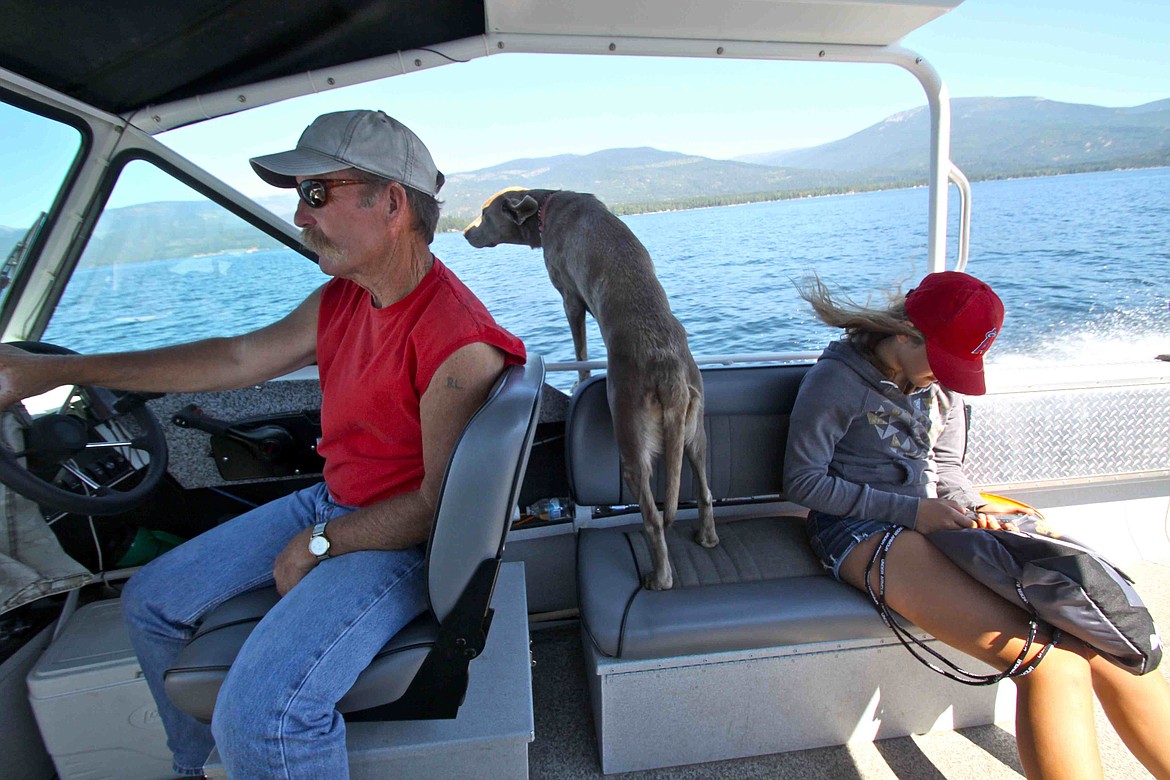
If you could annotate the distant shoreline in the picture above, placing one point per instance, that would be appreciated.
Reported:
(456, 224)
(247, 241)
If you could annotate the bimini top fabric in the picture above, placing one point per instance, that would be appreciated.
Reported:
(122, 55)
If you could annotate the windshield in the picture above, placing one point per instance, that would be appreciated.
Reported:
(35, 158)
(165, 264)
(18, 253)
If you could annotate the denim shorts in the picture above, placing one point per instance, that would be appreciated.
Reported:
(833, 538)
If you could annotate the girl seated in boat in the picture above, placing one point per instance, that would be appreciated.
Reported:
(876, 440)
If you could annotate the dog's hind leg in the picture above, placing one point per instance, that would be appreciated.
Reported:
(639, 479)
(637, 469)
(696, 451)
(674, 421)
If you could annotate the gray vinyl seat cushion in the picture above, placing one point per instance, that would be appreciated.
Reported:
(193, 681)
(762, 586)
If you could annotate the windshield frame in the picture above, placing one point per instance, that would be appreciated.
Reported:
(37, 237)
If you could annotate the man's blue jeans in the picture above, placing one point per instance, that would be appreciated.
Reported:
(275, 716)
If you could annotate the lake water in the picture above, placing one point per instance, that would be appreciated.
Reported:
(1082, 263)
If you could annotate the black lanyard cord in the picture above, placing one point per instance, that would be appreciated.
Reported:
(1017, 669)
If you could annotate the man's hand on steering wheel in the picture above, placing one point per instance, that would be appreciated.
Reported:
(60, 442)
(22, 374)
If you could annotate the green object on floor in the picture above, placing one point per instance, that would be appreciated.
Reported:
(147, 546)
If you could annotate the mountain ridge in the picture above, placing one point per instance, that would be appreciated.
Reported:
(997, 136)
(626, 176)
(992, 137)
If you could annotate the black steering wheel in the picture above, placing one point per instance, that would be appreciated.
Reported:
(77, 455)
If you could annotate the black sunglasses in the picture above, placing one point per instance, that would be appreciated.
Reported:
(315, 192)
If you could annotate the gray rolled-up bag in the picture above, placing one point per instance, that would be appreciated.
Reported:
(1062, 583)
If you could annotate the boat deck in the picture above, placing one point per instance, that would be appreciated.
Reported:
(565, 745)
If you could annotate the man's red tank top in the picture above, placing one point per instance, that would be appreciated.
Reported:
(375, 365)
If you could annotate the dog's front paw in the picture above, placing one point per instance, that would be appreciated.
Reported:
(707, 538)
(654, 582)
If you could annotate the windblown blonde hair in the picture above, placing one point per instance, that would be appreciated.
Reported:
(864, 325)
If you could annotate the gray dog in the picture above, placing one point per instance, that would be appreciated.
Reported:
(654, 387)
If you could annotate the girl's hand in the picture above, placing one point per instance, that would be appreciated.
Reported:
(996, 522)
(940, 514)
(998, 515)
(1002, 508)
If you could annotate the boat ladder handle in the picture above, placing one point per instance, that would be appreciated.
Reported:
(964, 187)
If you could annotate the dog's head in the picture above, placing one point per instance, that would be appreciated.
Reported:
(508, 217)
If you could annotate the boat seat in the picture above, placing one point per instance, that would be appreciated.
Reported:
(422, 672)
(762, 586)
(750, 626)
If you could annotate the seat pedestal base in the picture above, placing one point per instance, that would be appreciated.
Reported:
(490, 736)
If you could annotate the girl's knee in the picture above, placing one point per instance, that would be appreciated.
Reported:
(1064, 666)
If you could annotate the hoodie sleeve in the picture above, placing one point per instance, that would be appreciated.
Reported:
(949, 452)
(830, 398)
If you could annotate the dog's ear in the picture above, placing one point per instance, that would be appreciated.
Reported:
(520, 209)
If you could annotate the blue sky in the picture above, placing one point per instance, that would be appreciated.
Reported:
(503, 107)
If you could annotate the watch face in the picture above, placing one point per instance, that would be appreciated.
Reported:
(318, 545)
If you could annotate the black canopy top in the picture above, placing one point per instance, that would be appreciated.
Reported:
(122, 55)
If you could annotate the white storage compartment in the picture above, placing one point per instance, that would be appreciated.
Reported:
(93, 707)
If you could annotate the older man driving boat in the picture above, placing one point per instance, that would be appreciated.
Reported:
(406, 354)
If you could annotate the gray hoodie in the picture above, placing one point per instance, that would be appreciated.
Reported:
(859, 447)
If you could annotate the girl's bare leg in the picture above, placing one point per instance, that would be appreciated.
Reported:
(1055, 733)
(1139, 709)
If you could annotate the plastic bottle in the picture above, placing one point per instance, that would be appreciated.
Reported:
(551, 509)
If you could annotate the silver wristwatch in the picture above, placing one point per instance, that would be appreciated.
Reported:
(319, 542)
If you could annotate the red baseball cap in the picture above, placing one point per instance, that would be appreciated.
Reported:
(960, 317)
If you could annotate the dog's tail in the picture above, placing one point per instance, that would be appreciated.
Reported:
(677, 414)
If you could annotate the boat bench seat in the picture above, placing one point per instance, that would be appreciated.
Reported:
(755, 631)
(762, 586)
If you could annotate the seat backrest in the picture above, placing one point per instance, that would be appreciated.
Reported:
(482, 484)
(746, 411)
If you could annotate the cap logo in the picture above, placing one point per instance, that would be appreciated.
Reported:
(986, 343)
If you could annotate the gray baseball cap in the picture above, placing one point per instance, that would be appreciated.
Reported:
(370, 141)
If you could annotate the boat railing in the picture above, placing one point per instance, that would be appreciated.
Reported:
(960, 181)
(702, 360)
